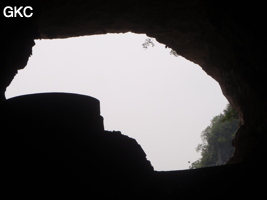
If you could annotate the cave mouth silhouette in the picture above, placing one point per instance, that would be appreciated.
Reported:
(224, 38)
(165, 147)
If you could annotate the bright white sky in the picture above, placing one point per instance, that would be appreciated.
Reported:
(162, 101)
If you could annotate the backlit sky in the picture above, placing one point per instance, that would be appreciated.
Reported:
(162, 101)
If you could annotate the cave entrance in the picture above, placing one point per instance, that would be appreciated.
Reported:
(162, 101)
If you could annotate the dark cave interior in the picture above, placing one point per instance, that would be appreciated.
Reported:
(227, 39)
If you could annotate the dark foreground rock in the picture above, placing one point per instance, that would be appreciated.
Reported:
(55, 144)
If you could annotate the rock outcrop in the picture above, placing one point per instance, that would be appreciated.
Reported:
(55, 143)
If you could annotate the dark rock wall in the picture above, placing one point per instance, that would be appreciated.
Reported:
(227, 39)
(16, 47)
(241, 25)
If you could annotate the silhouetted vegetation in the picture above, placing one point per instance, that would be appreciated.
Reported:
(149, 42)
(216, 148)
